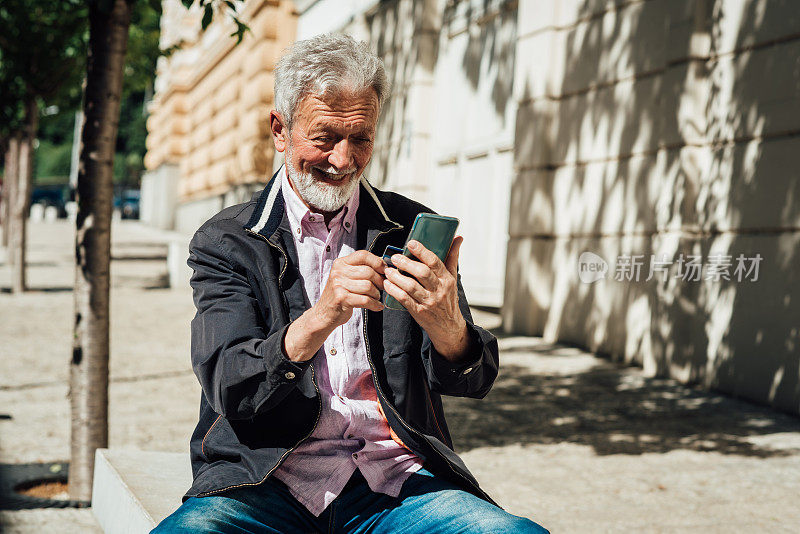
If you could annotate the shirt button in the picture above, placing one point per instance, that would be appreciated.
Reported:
(347, 225)
(467, 370)
(289, 375)
(311, 218)
(349, 436)
(298, 230)
(328, 248)
(333, 350)
(355, 456)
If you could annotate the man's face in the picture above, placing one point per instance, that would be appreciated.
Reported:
(329, 146)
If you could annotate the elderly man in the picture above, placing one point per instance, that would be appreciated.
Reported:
(321, 408)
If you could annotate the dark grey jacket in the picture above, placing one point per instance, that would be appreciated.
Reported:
(257, 405)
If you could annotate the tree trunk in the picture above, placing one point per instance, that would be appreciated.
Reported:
(108, 40)
(22, 198)
(4, 194)
(10, 180)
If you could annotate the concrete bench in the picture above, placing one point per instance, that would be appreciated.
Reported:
(135, 490)
(177, 253)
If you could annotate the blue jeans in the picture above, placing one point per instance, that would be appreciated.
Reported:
(426, 504)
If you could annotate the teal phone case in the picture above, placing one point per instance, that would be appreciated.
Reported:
(436, 233)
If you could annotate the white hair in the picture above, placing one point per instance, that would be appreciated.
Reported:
(326, 65)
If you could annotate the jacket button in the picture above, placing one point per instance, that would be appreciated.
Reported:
(467, 370)
(289, 375)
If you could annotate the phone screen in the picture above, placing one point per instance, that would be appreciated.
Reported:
(435, 232)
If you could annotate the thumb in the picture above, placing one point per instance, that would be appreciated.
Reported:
(451, 262)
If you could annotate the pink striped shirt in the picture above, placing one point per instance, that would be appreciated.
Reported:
(352, 433)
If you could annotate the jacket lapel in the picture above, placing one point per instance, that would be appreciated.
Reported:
(372, 218)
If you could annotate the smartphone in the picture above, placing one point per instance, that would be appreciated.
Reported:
(435, 232)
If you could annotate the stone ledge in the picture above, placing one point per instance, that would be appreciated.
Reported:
(134, 490)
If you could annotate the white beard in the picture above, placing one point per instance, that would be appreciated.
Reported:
(324, 197)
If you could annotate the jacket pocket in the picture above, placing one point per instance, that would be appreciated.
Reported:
(219, 442)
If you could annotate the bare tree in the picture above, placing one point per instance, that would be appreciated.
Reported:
(9, 187)
(39, 51)
(22, 196)
(108, 41)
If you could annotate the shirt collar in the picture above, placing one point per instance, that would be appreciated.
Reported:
(300, 216)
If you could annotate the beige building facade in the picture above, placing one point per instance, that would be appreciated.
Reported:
(208, 143)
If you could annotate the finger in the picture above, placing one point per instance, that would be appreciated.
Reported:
(407, 284)
(451, 261)
(364, 257)
(426, 256)
(365, 272)
(418, 270)
(365, 301)
(362, 287)
(400, 296)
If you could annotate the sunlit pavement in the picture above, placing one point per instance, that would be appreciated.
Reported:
(569, 439)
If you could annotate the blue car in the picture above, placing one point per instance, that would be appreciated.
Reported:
(127, 202)
(51, 195)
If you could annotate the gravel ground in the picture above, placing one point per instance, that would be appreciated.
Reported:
(571, 440)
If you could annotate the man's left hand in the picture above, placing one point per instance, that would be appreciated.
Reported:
(431, 296)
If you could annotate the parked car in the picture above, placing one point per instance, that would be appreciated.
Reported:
(51, 195)
(127, 203)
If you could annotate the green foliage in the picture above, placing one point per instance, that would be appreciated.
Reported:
(52, 162)
(209, 6)
(58, 128)
(56, 131)
(55, 73)
(143, 51)
(129, 166)
(42, 54)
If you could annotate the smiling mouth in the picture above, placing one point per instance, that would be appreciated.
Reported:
(335, 177)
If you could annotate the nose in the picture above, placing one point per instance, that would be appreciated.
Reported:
(342, 155)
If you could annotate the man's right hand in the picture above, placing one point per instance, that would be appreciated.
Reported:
(355, 281)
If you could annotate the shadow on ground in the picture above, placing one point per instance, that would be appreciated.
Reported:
(56, 289)
(612, 409)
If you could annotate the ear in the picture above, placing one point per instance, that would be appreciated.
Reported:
(279, 131)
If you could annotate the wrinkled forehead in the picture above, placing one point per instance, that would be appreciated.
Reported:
(354, 109)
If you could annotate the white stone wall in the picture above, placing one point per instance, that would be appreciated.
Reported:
(322, 16)
(661, 128)
(472, 137)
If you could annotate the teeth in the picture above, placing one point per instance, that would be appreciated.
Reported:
(334, 176)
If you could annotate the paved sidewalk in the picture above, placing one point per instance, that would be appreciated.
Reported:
(574, 441)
